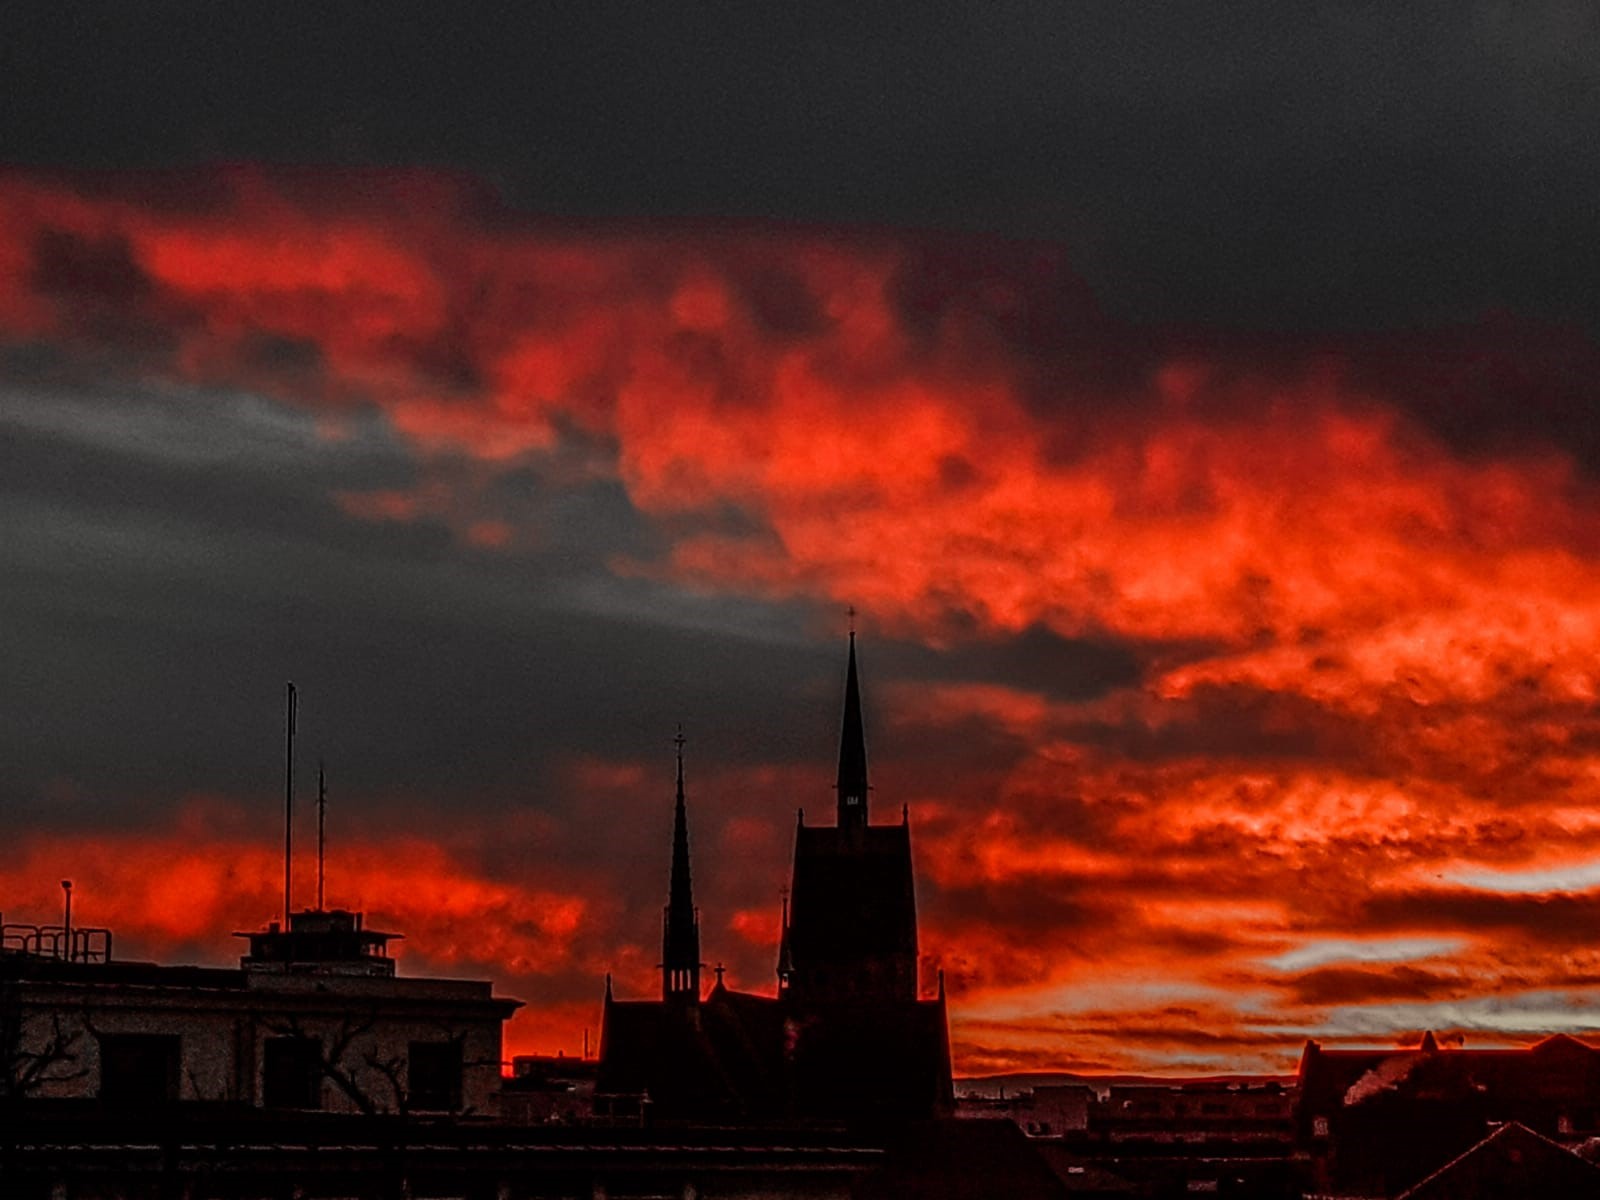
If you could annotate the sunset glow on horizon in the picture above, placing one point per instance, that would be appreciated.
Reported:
(1241, 686)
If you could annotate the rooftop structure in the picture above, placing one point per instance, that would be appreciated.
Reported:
(321, 941)
(315, 1018)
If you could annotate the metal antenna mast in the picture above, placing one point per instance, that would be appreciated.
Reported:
(322, 815)
(288, 808)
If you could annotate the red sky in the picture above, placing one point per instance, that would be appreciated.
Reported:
(1241, 686)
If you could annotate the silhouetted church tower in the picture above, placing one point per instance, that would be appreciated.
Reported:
(846, 1038)
(850, 932)
(852, 751)
(680, 926)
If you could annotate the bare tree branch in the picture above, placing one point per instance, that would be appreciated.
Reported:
(392, 1070)
(26, 1068)
(331, 1054)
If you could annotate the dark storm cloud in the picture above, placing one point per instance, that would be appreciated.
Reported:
(104, 269)
(1233, 722)
(1481, 388)
(1037, 660)
(148, 533)
(1555, 921)
(1354, 165)
(1057, 909)
(1501, 385)
(1182, 1025)
(1357, 985)
(103, 295)
(206, 482)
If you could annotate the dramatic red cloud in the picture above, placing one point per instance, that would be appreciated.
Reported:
(175, 895)
(1367, 653)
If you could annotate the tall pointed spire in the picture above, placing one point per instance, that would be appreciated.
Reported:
(680, 936)
(852, 750)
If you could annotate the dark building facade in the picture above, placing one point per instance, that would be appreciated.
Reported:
(1381, 1120)
(314, 1019)
(846, 1038)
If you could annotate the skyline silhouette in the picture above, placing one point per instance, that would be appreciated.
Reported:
(1200, 414)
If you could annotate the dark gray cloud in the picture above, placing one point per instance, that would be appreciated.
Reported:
(1233, 722)
(1036, 660)
(1555, 921)
(1353, 165)
(173, 557)
(1354, 985)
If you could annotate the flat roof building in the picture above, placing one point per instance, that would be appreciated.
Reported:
(313, 1018)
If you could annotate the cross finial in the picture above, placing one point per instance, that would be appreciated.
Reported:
(851, 613)
(719, 969)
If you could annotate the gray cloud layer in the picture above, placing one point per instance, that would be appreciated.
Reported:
(1344, 165)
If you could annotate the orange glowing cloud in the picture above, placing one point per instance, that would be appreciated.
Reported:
(173, 893)
(1364, 659)
(176, 895)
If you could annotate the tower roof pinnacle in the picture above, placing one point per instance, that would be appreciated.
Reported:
(680, 935)
(852, 783)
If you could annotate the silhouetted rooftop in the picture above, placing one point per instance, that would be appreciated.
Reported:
(1511, 1161)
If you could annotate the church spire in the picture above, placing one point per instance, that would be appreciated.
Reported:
(680, 936)
(852, 751)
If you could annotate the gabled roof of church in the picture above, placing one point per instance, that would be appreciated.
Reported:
(1562, 1045)
(1511, 1161)
(720, 1059)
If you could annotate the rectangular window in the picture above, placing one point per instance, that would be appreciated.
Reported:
(291, 1073)
(434, 1076)
(139, 1068)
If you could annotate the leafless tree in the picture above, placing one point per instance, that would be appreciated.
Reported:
(27, 1063)
(336, 1063)
(332, 1054)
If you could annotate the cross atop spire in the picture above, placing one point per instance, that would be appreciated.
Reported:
(852, 748)
(680, 934)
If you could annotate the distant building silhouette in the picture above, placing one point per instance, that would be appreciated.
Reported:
(548, 1090)
(1383, 1119)
(847, 1036)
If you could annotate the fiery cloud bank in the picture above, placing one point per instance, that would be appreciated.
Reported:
(1242, 687)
